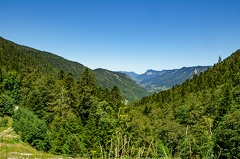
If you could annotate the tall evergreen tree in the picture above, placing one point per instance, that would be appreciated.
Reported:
(219, 59)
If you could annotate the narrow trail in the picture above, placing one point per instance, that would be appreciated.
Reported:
(9, 129)
(6, 131)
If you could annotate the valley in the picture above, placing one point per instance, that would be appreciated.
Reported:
(25, 59)
(156, 81)
(69, 110)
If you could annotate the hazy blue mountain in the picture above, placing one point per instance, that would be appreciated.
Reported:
(156, 81)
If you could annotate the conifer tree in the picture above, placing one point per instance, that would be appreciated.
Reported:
(219, 59)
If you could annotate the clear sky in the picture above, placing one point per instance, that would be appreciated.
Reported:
(126, 35)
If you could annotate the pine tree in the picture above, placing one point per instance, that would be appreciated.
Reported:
(219, 59)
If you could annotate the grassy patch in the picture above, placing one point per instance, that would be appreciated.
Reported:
(12, 147)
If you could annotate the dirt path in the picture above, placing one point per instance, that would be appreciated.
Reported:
(6, 131)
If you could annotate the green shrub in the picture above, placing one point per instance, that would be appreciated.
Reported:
(4, 122)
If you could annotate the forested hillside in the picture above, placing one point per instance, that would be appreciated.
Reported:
(198, 119)
(24, 59)
(130, 89)
(62, 114)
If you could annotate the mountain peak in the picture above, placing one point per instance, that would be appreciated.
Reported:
(153, 79)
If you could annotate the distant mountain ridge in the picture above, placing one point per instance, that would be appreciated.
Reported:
(23, 59)
(131, 74)
(155, 80)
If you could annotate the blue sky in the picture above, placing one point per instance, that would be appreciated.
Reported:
(129, 35)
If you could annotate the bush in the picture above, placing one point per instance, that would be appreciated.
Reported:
(31, 129)
(6, 105)
(227, 136)
(4, 122)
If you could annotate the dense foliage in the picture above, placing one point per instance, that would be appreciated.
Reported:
(199, 118)
(62, 114)
(24, 59)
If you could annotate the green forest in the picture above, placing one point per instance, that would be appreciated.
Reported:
(60, 113)
(24, 59)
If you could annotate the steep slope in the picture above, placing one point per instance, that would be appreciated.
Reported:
(199, 118)
(129, 88)
(131, 74)
(23, 59)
